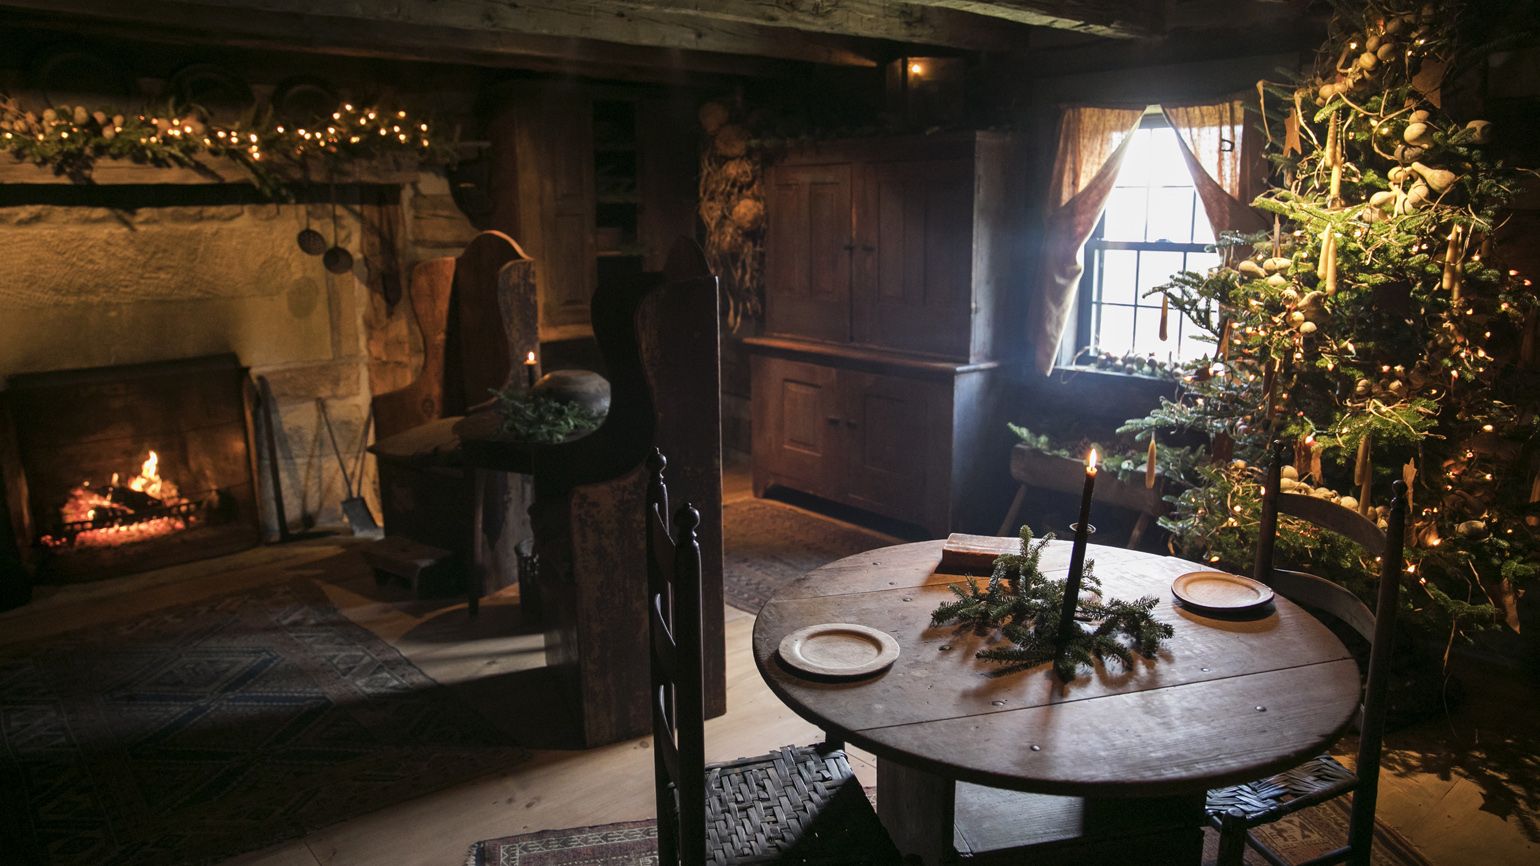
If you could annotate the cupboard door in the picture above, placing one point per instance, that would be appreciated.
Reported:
(913, 259)
(542, 144)
(797, 429)
(807, 252)
(894, 428)
(569, 261)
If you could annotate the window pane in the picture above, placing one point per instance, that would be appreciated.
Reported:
(1117, 329)
(1202, 231)
(1167, 167)
(1190, 347)
(1156, 268)
(1138, 163)
(1171, 214)
(1202, 263)
(1148, 333)
(1118, 276)
(1125, 215)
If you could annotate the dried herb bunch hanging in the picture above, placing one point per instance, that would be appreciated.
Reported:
(732, 207)
(1023, 605)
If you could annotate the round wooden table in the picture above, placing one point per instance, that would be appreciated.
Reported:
(1228, 700)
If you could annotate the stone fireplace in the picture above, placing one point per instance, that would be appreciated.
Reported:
(195, 289)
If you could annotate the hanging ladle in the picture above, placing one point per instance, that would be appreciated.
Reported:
(312, 242)
(337, 260)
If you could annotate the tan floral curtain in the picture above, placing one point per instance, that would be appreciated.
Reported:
(1224, 158)
(1091, 145)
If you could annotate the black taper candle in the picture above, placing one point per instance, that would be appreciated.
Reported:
(1077, 555)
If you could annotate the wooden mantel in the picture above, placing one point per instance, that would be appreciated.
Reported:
(206, 170)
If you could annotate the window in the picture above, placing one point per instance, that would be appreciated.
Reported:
(1153, 228)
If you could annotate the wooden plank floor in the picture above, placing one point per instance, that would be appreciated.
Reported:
(1447, 811)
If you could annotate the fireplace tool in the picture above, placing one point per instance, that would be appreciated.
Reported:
(354, 508)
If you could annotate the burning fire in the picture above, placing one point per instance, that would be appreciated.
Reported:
(148, 507)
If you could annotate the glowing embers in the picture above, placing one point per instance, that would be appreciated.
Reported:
(147, 507)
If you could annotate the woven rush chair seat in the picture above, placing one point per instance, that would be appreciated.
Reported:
(798, 804)
(1263, 801)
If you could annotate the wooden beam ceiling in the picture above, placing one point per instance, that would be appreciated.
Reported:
(1121, 19)
(538, 26)
(909, 22)
(858, 33)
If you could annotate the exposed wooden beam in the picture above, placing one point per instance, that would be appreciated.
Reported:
(178, 25)
(875, 19)
(1122, 19)
(499, 26)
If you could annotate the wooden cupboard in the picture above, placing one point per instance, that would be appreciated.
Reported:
(889, 264)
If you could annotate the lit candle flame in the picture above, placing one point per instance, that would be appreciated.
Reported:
(530, 358)
(1090, 463)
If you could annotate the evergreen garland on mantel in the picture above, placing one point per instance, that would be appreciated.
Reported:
(72, 139)
(1024, 605)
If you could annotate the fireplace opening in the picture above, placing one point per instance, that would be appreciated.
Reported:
(133, 467)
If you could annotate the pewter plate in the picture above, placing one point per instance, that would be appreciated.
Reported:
(839, 649)
(1220, 592)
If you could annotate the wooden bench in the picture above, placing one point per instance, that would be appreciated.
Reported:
(1033, 468)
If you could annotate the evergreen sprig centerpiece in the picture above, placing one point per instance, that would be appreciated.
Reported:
(1375, 327)
(1023, 605)
(542, 419)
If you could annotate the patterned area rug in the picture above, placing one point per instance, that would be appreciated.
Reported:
(769, 544)
(1298, 837)
(199, 732)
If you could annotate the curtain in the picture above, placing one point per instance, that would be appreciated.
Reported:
(1091, 145)
(1225, 161)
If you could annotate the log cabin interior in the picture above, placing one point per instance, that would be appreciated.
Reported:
(461, 431)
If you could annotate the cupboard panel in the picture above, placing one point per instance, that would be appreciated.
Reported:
(807, 252)
(889, 442)
(913, 289)
(796, 418)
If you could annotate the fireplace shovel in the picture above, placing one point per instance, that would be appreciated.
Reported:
(354, 508)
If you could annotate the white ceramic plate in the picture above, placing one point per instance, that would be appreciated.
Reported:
(839, 649)
(1220, 592)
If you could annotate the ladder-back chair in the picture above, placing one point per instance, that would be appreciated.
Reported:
(1236, 809)
(798, 804)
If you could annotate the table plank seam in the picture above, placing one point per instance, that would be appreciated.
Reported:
(1218, 679)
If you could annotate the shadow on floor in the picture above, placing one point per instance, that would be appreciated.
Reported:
(1489, 741)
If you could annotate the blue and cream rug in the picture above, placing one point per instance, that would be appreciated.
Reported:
(198, 732)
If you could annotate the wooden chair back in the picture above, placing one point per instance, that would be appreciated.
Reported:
(477, 314)
(1377, 627)
(674, 624)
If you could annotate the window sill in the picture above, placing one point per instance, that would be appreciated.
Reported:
(1062, 373)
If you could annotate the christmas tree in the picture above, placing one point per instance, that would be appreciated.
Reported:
(1373, 329)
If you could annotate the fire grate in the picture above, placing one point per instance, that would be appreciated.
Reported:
(64, 534)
